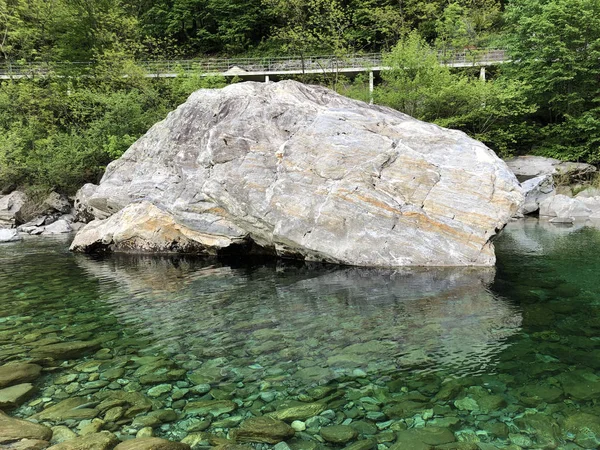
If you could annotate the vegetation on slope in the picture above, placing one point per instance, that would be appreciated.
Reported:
(60, 131)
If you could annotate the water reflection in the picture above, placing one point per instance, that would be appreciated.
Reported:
(327, 321)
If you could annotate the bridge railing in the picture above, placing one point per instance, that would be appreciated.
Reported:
(265, 65)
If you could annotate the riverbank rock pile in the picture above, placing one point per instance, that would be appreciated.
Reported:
(557, 190)
(300, 171)
(19, 216)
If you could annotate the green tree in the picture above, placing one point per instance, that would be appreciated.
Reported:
(420, 86)
(555, 48)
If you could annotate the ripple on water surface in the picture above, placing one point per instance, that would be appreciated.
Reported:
(409, 357)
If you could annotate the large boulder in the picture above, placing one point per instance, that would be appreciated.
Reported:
(300, 171)
(11, 206)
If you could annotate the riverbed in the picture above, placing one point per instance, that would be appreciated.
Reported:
(411, 358)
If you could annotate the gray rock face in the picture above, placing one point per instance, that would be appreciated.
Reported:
(536, 190)
(58, 227)
(83, 211)
(526, 167)
(57, 203)
(303, 172)
(562, 207)
(10, 208)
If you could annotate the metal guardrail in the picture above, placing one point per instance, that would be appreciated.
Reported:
(240, 66)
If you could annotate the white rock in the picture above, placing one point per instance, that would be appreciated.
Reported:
(536, 190)
(298, 425)
(300, 171)
(58, 227)
(9, 235)
(564, 207)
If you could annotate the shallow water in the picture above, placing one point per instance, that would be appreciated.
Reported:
(504, 357)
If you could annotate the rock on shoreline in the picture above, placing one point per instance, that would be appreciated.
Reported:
(300, 171)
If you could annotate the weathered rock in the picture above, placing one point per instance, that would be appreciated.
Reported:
(144, 227)
(300, 412)
(526, 167)
(9, 235)
(263, 429)
(26, 444)
(58, 227)
(17, 373)
(561, 206)
(94, 441)
(303, 172)
(12, 429)
(61, 433)
(422, 438)
(11, 206)
(71, 408)
(155, 418)
(338, 434)
(536, 190)
(56, 202)
(580, 384)
(151, 444)
(13, 396)
(65, 350)
(214, 407)
(83, 211)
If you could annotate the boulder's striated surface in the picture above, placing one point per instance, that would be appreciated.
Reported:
(300, 171)
(145, 227)
(10, 208)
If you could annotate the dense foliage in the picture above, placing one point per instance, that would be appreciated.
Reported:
(60, 131)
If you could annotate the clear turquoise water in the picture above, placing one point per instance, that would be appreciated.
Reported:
(504, 357)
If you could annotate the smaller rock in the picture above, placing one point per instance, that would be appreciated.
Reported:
(9, 235)
(298, 425)
(14, 396)
(263, 429)
(18, 373)
(95, 441)
(145, 433)
(159, 390)
(58, 227)
(214, 407)
(300, 412)
(338, 434)
(11, 206)
(56, 202)
(12, 429)
(61, 433)
(151, 444)
(26, 444)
